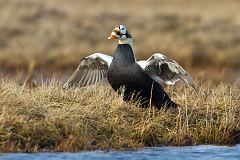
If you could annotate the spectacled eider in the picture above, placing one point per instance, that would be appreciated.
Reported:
(141, 80)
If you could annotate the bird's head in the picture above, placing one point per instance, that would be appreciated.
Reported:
(120, 32)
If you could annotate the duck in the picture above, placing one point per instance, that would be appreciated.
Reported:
(140, 81)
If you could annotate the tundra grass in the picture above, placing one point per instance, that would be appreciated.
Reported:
(47, 118)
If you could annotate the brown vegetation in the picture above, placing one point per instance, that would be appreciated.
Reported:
(46, 118)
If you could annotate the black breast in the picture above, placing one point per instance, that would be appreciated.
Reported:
(125, 72)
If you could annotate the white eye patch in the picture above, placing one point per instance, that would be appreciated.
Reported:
(122, 29)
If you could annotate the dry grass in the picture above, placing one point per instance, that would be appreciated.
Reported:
(46, 118)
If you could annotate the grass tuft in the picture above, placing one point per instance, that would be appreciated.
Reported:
(46, 118)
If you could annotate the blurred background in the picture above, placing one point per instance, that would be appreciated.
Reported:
(49, 37)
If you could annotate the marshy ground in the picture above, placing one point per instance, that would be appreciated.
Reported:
(45, 40)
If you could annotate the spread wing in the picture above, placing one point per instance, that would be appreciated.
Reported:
(91, 70)
(161, 68)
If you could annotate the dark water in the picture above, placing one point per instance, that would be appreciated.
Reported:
(201, 152)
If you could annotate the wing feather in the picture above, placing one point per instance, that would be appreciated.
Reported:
(89, 71)
(95, 77)
(100, 74)
(84, 82)
(158, 66)
(90, 77)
